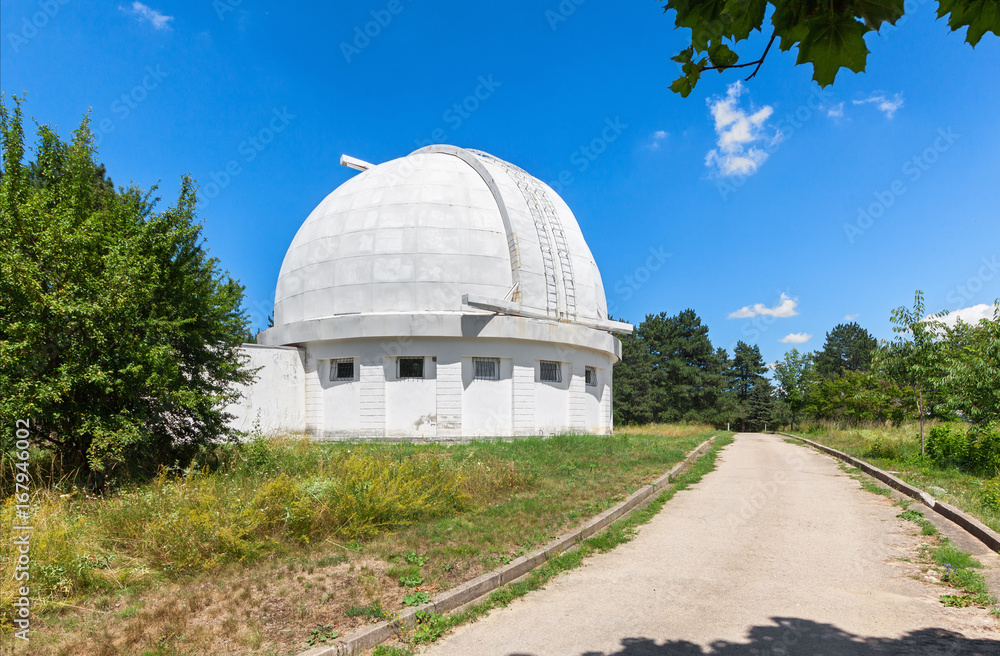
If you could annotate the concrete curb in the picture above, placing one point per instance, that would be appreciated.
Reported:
(370, 636)
(983, 533)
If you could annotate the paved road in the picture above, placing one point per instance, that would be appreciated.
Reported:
(776, 552)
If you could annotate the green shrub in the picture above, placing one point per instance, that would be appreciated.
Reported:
(991, 495)
(984, 449)
(948, 445)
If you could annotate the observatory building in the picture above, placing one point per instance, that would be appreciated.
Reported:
(444, 295)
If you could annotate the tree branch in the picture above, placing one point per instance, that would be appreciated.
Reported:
(758, 62)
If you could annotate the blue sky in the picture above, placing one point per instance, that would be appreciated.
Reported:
(772, 208)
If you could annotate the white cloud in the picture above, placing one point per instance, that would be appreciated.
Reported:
(148, 14)
(796, 338)
(784, 309)
(970, 315)
(851, 317)
(836, 111)
(741, 132)
(656, 139)
(885, 105)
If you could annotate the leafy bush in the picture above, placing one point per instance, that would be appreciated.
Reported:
(948, 445)
(991, 495)
(984, 449)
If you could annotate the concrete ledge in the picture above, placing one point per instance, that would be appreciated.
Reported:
(370, 636)
(983, 533)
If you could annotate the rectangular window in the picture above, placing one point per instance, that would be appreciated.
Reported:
(591, 376)
(411, 367)
(551, 372)
(342, 369)
(486, 368)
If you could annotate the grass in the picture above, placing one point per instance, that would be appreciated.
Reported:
(257, 546)
(432, 626)
(898, 450)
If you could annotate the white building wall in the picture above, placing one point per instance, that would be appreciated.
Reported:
(275, 401)
(294, 391)
(552, 400)
(410, 404)
(487, 405)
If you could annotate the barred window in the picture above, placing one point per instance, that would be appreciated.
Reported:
(591, 376)
(411, 367)
(486, 368)
(342, 369)
(551, 372)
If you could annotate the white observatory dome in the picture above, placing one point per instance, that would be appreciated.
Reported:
(420, 233)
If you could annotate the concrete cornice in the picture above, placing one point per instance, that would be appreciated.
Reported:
(451, 325)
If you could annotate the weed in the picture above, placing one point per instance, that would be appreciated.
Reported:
(322, 634)
(875, 489)
(329, 561)
(372, 610)
(416, 599)
(413, 558)
(926, 527)
(411, 581)
(430, 626)
(384, 650)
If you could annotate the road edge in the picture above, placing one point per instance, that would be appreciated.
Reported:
(970, 524)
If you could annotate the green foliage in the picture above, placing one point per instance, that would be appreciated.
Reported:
(431, 626)
(670, 372)
(848, 347)
(829, 35)
(372, 611)
(926, 527)
(386, 650)
(971, 356)
(119, 335)
(322, 634)
(795, 375)
(760, 406)
(913, 360)
(416, 598)
(975, 449)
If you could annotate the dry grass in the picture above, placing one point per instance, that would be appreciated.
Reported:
(514, 496)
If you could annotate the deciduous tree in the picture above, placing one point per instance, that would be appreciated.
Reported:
(118, 331)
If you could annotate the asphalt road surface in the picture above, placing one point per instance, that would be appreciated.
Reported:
(777, 551)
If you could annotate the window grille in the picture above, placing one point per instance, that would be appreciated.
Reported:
(551, 372)
(411, 367)
(342, 369)
(486, 368)
(591, 376)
